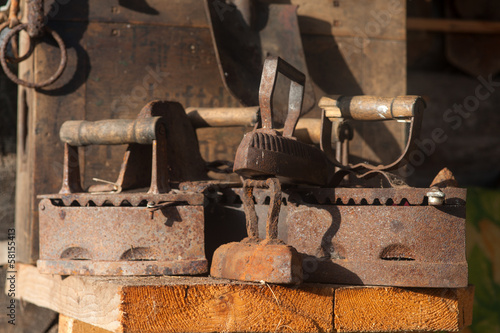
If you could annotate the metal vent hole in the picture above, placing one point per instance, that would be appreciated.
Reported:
(139, 254)
(76, 253)
(397, 252)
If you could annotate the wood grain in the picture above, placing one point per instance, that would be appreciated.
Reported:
(378, 19)
(83, 299)
(376, 309)
(203, 304)
(71, 325)
(453, 25)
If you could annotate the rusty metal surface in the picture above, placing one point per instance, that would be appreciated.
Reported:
(13, 10)
(122, 239)
(256, 259)
(36, 29)
(375, 196)
(141, 231)
(257, 262)
(381, 245)
(412, 196)
(145, 162)
(273, 66)
(366, 236)
(139, 199)
(36, 22)
(266, 153)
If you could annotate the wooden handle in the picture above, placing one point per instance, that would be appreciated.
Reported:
(223, 117)
(109, 132)
(371, 108)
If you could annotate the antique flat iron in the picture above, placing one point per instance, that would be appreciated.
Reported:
(396, 235)
(347, 230)
(137, 225)
(266, 154)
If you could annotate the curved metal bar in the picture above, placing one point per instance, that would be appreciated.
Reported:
(16, 59)
(273, 66)
(14, 78)
(365, 169)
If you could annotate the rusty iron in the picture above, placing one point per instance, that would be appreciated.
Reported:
(36, 29)
(36, 19)
(394, 237)
(122, 227)
(370, 236)
(127, 238)
(264, 152)
(256, 259)
(244, 34)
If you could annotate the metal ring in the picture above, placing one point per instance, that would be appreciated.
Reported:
(17, 60)
(14, 78)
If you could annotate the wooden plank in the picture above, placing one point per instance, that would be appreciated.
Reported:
(71, 325)
(4, 252)
(379, 19)
(202, 304)
(20, 316)
(453, 25)
(377, 309)
(154, 12)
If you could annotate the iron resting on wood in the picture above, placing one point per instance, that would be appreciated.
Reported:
(309, 213)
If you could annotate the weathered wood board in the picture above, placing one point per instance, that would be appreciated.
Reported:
(201, 304)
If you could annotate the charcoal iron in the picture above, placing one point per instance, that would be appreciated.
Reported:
(137, 225)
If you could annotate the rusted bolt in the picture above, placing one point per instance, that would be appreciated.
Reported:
(436, 197)
(42, 207)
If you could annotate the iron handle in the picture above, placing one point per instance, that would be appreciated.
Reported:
(222, 116)
(273, 66)
(371, 108)
(110, 132)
